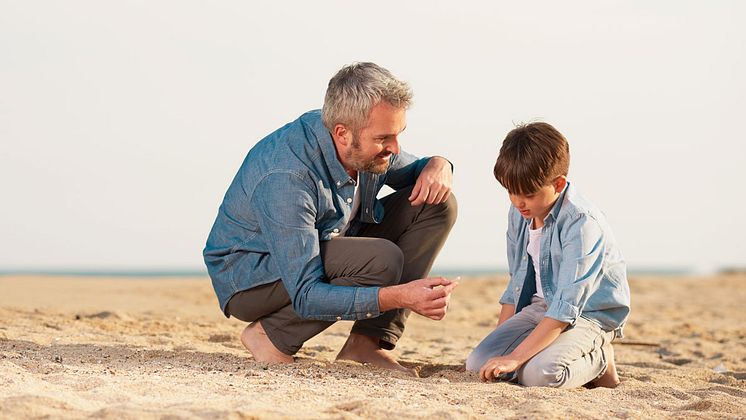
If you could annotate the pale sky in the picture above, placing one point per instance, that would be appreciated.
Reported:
(122, 123)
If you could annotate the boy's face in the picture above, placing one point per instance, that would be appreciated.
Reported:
(537, 205)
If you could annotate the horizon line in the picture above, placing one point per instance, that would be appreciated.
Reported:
(438, 270)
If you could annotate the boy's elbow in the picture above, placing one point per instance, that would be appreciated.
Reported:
(563, 312)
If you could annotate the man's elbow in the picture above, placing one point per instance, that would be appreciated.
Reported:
(306, 311)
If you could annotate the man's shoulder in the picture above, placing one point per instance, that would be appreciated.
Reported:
(292, 144)
(312, 117)
(299, 131)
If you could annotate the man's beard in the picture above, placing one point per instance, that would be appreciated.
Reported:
(361, 165)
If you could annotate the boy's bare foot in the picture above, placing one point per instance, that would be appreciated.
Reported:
(610, 378)
(258, 344)
(364, 349)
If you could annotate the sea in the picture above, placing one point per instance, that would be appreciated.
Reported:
(448, 272)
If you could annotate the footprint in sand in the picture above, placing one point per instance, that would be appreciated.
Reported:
(701, 405)
(734, 392)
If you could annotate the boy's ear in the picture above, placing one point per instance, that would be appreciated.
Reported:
(560, 183)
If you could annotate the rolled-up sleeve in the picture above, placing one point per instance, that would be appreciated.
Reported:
(286, 210)
(511, 237)
(580, 268)
(404, 170)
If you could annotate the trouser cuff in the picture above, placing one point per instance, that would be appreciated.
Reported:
(275, 336)
(386, 340)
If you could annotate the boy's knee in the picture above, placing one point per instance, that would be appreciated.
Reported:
(474, 362)
(536, 373)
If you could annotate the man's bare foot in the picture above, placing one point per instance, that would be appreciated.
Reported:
(610, 378)
(364, 349)
(255, 339)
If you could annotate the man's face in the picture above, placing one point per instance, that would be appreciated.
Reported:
(373, 145)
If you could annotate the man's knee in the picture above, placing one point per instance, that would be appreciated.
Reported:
(449, 210)
(386, 262)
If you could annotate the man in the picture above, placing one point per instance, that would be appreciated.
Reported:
(301, 241)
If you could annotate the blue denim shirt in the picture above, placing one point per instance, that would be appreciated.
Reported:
(583, 272)
(290, 193)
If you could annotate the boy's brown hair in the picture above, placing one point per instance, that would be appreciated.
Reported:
(532, 156)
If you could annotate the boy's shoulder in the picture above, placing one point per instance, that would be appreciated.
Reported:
(572, 206)
(569, 207)
(572, 203)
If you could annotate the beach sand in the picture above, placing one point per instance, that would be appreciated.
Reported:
(157, 348)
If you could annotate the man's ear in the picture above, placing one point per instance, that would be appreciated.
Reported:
(342, 135)
(560, 183)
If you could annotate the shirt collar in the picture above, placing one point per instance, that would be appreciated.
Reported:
(554, 213)
(337, 171)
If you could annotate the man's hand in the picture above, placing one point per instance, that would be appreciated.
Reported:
(496, 366)
(428, 297)
(434, 184)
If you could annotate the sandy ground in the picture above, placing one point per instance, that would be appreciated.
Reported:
(158, 348)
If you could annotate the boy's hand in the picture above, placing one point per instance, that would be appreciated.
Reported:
(544, 334)
(496, 366)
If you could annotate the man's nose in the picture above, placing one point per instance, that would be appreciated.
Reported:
(393, 146)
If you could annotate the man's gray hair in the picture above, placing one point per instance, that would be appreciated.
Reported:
(355, 89)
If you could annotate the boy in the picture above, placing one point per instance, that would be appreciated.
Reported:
(568, 296)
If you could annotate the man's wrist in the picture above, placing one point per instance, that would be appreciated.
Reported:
(389, 298)
(444, 160)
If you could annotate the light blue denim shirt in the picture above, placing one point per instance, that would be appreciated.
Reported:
(583, 272)
(290, 193)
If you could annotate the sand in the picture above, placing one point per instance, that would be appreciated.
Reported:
(157, 348)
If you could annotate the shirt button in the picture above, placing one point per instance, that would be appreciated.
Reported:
(525, 258)
(336, 231)
(339, 318)
(349, 200)
(339, 183)
(368, 315)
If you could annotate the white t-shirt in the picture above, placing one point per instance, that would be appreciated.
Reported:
(534, 250)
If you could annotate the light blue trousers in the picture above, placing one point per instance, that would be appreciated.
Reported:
(575, 358)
